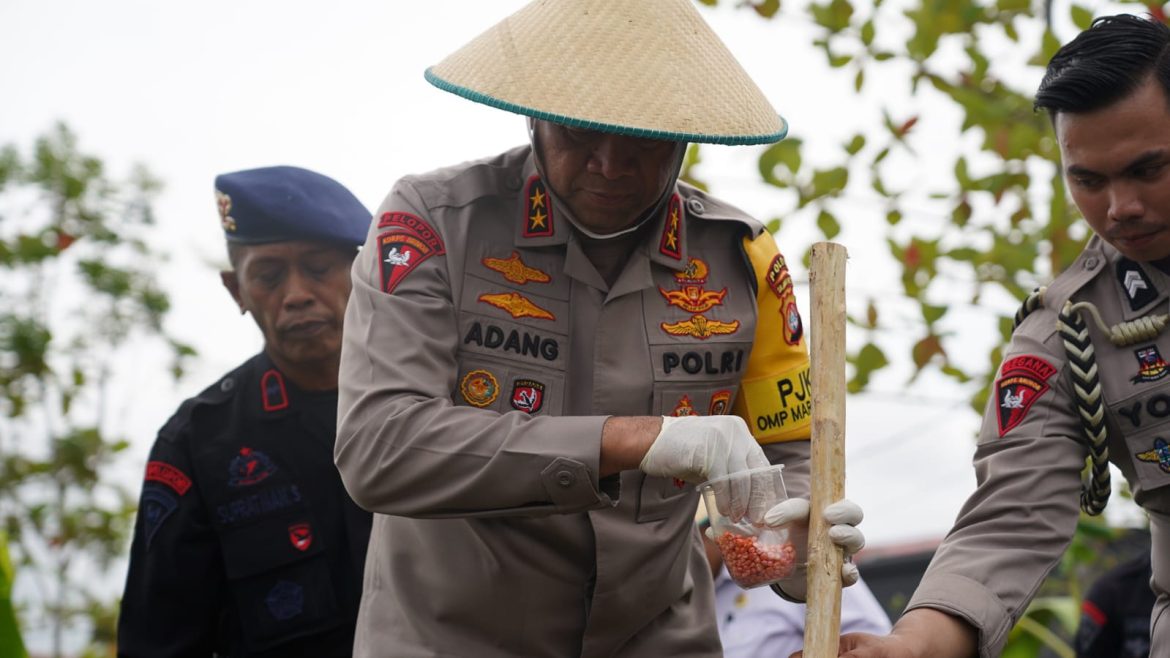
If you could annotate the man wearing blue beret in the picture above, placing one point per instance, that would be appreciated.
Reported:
(246, 542)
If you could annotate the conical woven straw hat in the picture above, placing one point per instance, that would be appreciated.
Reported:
(647, 68)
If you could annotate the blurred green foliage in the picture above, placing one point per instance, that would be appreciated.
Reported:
(77, 284)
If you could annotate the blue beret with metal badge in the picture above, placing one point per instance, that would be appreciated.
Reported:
(278, 204)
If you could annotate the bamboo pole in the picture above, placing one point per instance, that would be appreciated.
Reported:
(827, 477)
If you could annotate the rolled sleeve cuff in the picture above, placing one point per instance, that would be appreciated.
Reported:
(971, 601)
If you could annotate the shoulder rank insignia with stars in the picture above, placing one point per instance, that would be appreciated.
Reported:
(517, 305)
(700, 327)
(538, 215)
(514, 269)
(668, 245)
(691, 296)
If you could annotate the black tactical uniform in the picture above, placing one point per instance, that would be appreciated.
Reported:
(246, 542)
(1115, 615)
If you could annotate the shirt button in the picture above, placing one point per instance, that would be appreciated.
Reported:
(227, 384)
(565, 478)
(1091, 263)
(514, 183)
(695, 206)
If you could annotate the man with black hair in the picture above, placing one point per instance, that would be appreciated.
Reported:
(1084, 376)
(246, 543)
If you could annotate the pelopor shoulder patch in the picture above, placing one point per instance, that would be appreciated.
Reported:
(401, 249)
(1022, 380)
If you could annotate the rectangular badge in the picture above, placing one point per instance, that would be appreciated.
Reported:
(779, 406)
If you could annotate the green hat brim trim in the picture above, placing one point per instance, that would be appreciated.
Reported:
(729, 140)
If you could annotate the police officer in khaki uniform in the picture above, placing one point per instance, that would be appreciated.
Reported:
(1084, 373)
(544, 351)
(246, 542)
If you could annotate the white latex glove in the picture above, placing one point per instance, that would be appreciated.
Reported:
(699, 448)
(842, 517)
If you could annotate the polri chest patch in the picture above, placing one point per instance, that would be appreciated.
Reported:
(1022, 380)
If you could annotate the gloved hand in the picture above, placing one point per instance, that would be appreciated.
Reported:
(699, 448)
(842, 516)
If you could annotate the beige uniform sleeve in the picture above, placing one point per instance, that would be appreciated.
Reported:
(1017, 524)
(402, 446)
(774, 398)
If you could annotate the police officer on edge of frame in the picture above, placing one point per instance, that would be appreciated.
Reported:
(1084, 372)
(542, 346)
(246, 543)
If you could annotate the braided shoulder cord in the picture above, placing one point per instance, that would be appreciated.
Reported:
(1082, 359)
(1083, 366)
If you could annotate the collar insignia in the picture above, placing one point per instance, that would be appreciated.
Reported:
(517, 305)
(514, 269)
(538, 214)
(700, 327)
(668, 244)
(1138, 288)
(272, 388)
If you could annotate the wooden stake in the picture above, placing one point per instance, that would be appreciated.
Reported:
(827, 477)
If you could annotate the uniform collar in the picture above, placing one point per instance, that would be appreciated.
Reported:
(1141, 286)
(269, 394)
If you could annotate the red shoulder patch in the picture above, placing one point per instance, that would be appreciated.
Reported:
(401, 250)
(1022, 380)
(172, 477)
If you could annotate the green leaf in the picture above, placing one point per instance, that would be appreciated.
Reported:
(855, 144)
(1081, 17)
(783, 156)
(828, 224)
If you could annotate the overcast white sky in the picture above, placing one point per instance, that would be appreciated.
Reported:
(193, 90)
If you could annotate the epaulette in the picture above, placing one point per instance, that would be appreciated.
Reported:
(701, 205)
(218, 393)
(462, 184)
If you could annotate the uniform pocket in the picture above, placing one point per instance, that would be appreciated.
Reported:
(279, 576)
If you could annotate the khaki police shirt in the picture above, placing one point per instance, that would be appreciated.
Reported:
(482, 354)
(1013, 530)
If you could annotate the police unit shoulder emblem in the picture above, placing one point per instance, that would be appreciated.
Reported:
(479, 388)
(780, 283)
(1160, 455)
(1022, 380)
(691, 296)
(249, 467)
(527, 395)
(668, 244)
(301, 536)
(404, 248)
(157, 504)
(517, 305)
(700, 327)
(224, 202)
(272, 391)
(684, 407)
(538, 214)
(1151, 366)
(720, 401)
(164, 473)
(514, 269)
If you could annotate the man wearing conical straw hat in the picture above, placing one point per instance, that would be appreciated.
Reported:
(545, 350)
